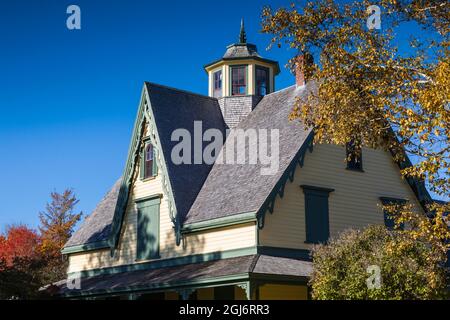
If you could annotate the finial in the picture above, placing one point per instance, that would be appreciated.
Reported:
(242, 35)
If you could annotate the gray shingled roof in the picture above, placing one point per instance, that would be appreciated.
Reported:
(204, 192)
(174, 109)
(241, 50)
(178, 275)
(97, 226)
(231, 189)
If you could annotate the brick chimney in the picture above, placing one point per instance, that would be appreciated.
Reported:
(303, 64)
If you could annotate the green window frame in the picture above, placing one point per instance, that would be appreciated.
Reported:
(236, 85)
(317, 213)
(148, 165)
(262, 90)
(389, 220)
(217, 84)
(147, 237)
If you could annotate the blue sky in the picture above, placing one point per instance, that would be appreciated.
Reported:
(68, 98)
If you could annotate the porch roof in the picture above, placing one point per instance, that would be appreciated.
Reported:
(200, 274)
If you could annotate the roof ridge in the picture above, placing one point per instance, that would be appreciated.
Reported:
(281, 90)
(179, 90)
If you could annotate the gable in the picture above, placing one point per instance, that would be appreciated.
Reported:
(165, 110)
(354, 202)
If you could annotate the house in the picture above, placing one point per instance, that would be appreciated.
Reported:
(223, 230)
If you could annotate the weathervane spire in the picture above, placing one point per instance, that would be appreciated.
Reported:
(242, 35)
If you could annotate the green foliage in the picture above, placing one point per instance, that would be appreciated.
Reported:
(410, 269)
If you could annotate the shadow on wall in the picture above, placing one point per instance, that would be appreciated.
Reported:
(127, 251)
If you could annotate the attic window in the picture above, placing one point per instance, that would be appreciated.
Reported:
(354, 156)
(239, 80)
(148, 163)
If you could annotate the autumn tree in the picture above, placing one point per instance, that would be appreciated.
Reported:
(377, 264)
(20, 263)
(57, 224)
(19, 241)
(367, 90)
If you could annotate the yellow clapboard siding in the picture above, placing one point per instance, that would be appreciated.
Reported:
(240, 236)
(354, 203)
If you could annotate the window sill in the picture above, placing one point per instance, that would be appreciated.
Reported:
(354, 169)
(312, 243)
(149, 178)
(157, 257)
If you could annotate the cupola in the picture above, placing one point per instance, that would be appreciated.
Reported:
(241, 71)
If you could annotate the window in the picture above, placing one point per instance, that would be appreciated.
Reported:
(148, 229)
(316, 214)
(217, 84)
(389, 217)
(148, 163)
(239, 80)
(262, 81)
(354, 156)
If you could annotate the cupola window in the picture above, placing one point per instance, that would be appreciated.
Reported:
(218, 84)
(262, 81)
(239, 80)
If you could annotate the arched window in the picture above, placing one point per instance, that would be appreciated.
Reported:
(149, 162)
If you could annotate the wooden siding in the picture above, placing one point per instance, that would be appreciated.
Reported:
(239, 236)
(354, 203)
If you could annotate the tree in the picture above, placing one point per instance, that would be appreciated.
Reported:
(57, 224)
(409, 269)
(20, 263)
(19, 242)
(367, 91)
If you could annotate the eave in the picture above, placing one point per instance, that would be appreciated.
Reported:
(221, 61)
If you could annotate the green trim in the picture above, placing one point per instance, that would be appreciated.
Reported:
(302, 254)
(85, 247)
(172, 262)
(276, 69)
(147, 141)
(279, 278)
(247, 80)
(288, 174)
(268, 80)
(387, 200)
(148, 235)
(194, 284)
(307, 188)
(219, 222)
(144, 113)
(317, 214)
(157, 197)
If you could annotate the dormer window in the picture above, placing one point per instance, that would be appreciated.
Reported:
(354, 156)
(148, 163)
(262, 81)
(239, 80)
(218, 84)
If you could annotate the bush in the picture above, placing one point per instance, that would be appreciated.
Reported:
(410, 269)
